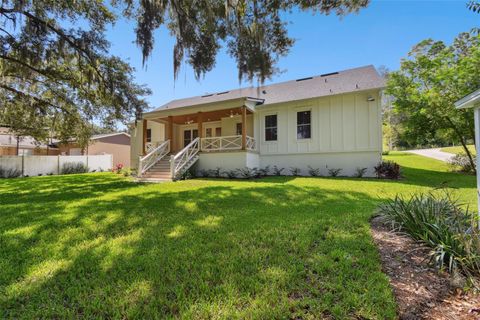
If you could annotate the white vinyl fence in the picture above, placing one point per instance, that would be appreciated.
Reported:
(43, 165)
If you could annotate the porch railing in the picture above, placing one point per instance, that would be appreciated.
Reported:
(185, 158)
(225, 143)
(153, 156)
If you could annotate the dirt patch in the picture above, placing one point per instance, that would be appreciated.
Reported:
(421, 291)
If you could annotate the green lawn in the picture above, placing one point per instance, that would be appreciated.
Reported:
(100, 246)
(459, 149)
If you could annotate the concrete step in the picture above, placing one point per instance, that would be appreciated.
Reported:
(158, 174)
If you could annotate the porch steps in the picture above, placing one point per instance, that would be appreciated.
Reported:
(160, 171)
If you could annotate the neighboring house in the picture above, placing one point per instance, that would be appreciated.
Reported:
(26, 145)
(117, 144)
(327, 121)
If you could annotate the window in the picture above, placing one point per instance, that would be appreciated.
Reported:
(149, 135)
(304, 125)
(218, 132)
(189, 136)
(208, 132)
(25, 152)
(271, 127)
(239, 129)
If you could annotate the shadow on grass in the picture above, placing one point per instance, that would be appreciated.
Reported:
(191, 249)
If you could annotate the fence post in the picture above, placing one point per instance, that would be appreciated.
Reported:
(58, 164)
(23, 163)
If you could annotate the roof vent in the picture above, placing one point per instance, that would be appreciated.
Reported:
(207, 95)
(222, 92)
(328, 74)
(264, 91)
(303, 79)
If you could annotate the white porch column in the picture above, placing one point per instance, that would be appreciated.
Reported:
(476, 116)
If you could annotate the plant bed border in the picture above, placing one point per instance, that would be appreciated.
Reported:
(421, 291)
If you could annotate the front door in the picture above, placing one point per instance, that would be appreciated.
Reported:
(189, 135)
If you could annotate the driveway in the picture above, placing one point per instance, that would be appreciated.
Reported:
(434, 153)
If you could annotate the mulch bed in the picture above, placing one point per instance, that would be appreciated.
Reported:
(421, 291)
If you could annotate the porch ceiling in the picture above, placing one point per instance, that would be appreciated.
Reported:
(206, 116)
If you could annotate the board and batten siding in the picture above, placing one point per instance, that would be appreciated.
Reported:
(343, 123)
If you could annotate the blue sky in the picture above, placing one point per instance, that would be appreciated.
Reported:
(380, 35)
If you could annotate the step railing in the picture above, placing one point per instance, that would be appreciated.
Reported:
(155, 155)
(184, 159)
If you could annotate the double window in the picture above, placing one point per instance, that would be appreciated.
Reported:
(304, 128)
(271, 127)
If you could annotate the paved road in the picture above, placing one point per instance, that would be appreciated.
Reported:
(434, 153)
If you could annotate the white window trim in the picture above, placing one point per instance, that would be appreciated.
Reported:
(297, 110)
(264, 128)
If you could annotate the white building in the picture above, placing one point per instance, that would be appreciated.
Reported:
(327, 121)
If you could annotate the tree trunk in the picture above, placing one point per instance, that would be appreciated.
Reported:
(464, 145)
(18, 144)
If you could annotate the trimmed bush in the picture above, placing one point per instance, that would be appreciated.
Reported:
(461, 163)
(74, 167)
(440, 223)
(388, 170)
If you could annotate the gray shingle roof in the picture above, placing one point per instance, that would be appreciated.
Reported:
(351, 80)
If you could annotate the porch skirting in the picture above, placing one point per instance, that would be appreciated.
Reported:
(228, 160)
(347, 161)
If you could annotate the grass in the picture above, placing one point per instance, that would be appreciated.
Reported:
(100, 246)
(459, 149)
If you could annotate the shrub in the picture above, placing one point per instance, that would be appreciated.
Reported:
(264, 172)
(216, 173)
(118, 168)
(440, 223)
(247, 173)
(460, 162)
(385, 152)
(334, 172)
(204, 173)
(360, 172)
(295, 171)
(9, 173)
(387, 169)
(314, 172)
(231, 174)
(126, 172)
(277, 171)
(74, 167)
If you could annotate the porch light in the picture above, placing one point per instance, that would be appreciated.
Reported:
(231, 114)
(370, 99)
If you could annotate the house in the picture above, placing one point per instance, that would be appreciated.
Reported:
(117, 144)
(473, 101)
(26, 145)
(328, 121)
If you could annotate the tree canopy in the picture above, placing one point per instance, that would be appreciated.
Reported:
(429, 82)
(58, 75)
(253, 31)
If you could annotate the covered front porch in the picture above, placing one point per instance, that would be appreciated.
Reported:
(224, 130)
